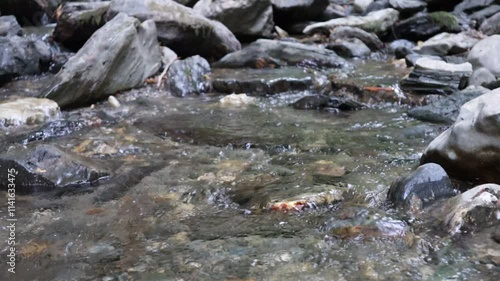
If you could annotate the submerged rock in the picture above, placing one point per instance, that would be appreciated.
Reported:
(436, 77)
(423, 26)
(485, 54)
(46, 167)
(427, 184)
(78, 21)
(262, 82)
(247, 18)
(180, 28)
(470, 149)
(237, 100)
(446, 109)
(449, 44)
(186, 77)
(22, 56)
(265, 53)
(9, 26)
(325, 102)
(306, 201)
(27, 111)
(119, 56)
(377, 22)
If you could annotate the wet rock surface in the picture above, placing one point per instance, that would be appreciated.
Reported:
(249, 18)
(27, 111)
(119, 56)
(427, 184)
(78, 21)
(180, 28)
(187, 77)
(469, 149)
(325, 102)
(262, 82)
(46, 167)
(269, 54)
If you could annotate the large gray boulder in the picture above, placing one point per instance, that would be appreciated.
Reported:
(119, 56)
(245, 18)
(9, 26)
(22, 56)
(470, 148)
(485, 54)
(265, 53)
(377, 22)
(78, 21)
(180, 28)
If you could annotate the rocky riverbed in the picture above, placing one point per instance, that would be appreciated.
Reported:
(250, 140)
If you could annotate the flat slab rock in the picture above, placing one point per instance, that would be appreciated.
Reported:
(47, 167)
(27, 111)
(265, 53)
(436, 77)
(262, 82)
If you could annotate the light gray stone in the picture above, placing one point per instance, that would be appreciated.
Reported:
(27, 111)
(486, 54)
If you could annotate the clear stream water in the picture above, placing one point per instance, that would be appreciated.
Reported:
(193, 181)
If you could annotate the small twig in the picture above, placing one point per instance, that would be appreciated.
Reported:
(164, 73)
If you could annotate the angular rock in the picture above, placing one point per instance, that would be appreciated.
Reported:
(446, 109)
(423, 26)
(411, 59)
(263, 82)
(187, 77)
(473, 209)
(469, 6)
(377, 22)
(485, 13)
(449, 44)
(485, 54)
(326, 102)
(245, 18)
(269, 53)
(78, 21)
(345, 32)
(119, 56)
(287, 12)
(180, 28)
(350, 48)
(47, 167)
(22, 56)
(491, 25)
(470, 149)
(27, 111)
(481, 76)
(427, 184)
(30, 12)
(9, 26)
(408, 7)
(436, 77)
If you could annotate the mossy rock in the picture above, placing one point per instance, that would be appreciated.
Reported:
(445, 19)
